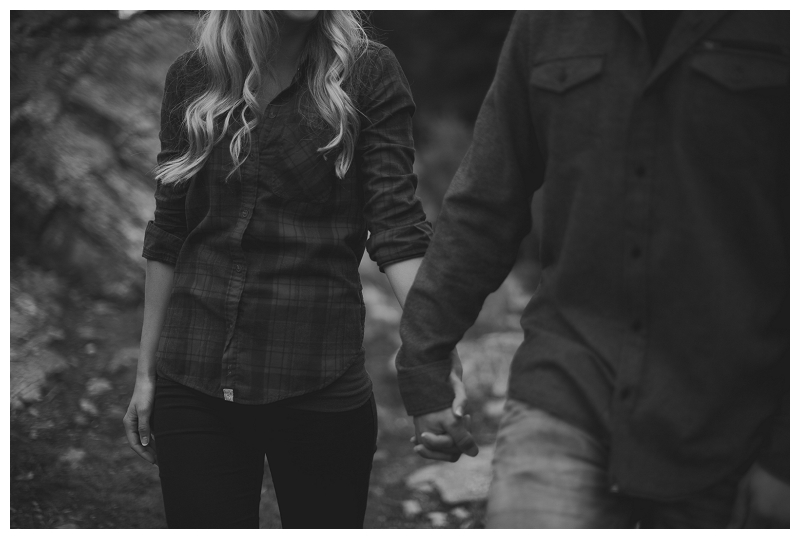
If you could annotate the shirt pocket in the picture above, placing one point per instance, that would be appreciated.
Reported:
(740, 68)
(564, 94)
(564, 74)
(735, 109)
(296, 170)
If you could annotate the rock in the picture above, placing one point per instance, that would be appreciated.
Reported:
(29, 371)
(501, 309)
(425, 488)
(104, 308)
(73, 457)
(438, 519)
(88, 333)
(486, 363)
(411, 508)
(25, 476)
(494, 408)
(460, 513)
(56, 334)
(464, 481)
(98, 386)
(115, 412)
(90, 349)
(88, 407)
(85, 97)
(123, 358)
(80, 420)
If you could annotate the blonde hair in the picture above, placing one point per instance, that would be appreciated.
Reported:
(234, 47)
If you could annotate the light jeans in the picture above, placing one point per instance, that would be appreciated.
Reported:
(550, 474)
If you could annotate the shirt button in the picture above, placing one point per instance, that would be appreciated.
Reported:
(640, 170)
(238, 268)
(614, 488)
(271, 114)
(636, 326)
(243, 213)
(636, 252)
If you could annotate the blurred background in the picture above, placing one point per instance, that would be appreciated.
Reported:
(86, 91)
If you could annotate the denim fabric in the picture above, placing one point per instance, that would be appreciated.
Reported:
(211, 461)
(550, 474)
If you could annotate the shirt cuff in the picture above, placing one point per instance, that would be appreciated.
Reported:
(425, 388)
(394, 245)
(160, 245)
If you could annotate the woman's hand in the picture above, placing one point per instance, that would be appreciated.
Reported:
(137, 420)
(445, 435)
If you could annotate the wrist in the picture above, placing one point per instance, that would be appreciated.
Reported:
(145, 378)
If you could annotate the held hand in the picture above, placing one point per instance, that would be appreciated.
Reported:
(137, 421)
(444, 435)
(762, 501)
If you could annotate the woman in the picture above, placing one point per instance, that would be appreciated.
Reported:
(286, 137)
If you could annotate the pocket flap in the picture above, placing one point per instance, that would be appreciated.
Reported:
(561, 75)
(742, 71)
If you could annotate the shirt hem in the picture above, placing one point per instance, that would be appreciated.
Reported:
(189, 381)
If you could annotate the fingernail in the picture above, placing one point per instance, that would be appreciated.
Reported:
(424, 435)
(145, 440)
(459, 412)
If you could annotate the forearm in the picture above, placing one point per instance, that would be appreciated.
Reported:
(157, 290)
(401, 276)
(484, 217)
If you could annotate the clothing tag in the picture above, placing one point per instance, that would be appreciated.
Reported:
(228, 393)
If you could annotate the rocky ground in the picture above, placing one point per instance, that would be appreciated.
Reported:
(71, 466)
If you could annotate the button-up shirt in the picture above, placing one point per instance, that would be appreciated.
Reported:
(661, 317)
(266, 302)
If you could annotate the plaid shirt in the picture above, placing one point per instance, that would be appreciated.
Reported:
(267, 300)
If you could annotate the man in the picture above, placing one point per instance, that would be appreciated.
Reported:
(652, 385)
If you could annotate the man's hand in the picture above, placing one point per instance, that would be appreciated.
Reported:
(444, 435)
(762, 501)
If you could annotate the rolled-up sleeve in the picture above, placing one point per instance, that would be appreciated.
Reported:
(166, 233)
(385, 158)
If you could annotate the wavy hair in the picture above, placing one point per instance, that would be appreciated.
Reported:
(235, 47)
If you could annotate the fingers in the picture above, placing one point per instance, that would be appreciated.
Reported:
(144, 427)
(131, 423)
(462, 438)
(438, 442)
(460, 395)
(423, 451)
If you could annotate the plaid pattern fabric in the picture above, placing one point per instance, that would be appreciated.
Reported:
(267, 298)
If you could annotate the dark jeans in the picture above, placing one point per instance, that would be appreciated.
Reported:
(211, 461)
